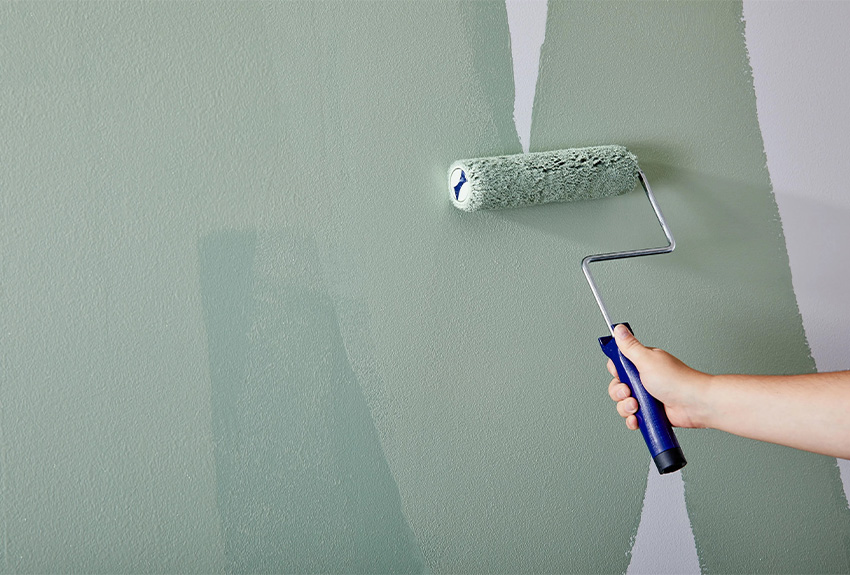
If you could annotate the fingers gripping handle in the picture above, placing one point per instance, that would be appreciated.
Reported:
(652, 419)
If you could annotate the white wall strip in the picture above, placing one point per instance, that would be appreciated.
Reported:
(800, 54)
(527, 23)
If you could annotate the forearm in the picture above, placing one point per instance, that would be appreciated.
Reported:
(810, 412)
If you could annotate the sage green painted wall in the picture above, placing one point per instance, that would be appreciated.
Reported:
(244, 330)
(672, 82)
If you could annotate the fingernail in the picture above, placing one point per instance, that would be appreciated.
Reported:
(621, 330)
(622, 394)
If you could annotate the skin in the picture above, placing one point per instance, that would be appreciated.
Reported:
(809, 411)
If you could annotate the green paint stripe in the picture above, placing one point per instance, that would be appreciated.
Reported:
(671, 81)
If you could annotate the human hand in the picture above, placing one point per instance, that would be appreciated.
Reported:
(666, 378)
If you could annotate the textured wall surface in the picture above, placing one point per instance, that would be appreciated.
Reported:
(245, 331)
(675, 87)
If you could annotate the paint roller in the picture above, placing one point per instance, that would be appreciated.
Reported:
(565, 176)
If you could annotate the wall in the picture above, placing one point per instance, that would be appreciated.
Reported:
(799, 57)
(245, 331)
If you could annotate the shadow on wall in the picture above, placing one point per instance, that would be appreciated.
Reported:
(712, 218)
(303, 485)
(721, 250)
(689, 200)
(709, 217)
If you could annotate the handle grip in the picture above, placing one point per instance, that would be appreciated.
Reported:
(652, 419)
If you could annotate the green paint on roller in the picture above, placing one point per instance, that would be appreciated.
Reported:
(542, 177)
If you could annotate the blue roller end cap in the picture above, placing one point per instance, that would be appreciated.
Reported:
(459, 184)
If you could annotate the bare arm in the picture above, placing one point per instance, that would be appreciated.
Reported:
(810, 411)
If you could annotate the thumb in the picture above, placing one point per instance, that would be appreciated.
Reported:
(628, 344)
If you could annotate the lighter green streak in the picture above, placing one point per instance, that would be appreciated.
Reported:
(303, 486)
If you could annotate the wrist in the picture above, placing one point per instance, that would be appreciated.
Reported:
(703, 405)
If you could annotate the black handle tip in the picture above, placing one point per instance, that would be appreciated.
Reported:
(670, 460)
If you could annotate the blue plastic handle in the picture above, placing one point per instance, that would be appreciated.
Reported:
(652, 419)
